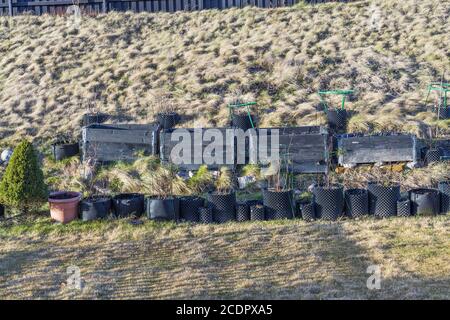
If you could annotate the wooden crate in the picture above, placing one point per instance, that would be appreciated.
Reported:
(307, 145)
(114, 142)
(168, 142)
(362, 149)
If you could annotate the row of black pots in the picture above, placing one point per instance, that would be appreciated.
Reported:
(380, 201)
(329, 203)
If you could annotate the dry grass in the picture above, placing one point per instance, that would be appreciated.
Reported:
(289, 260)
(388, 51)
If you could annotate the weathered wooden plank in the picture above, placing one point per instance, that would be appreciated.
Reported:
(375, 149)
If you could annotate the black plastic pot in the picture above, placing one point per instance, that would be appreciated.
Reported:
(93, 118)
(279, 204)
(356, 203)
(404, 208)
(94, 208)
(242, 212)
(63, 150)
(444, 188)
(189, 208)
(433, 155)
(128, 204)
(308, 211)
(257, 212)
(2, 211)
(424, 202)
(163, 209)
(167, 120)
(329, 202)
(383, 200)
(223, 206)
(337, 120)
(444, 113)
(242, 121)
(205, 215)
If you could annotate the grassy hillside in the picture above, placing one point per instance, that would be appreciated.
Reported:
(289, 260)
(132, 65)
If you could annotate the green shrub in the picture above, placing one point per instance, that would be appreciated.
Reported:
(22, 186)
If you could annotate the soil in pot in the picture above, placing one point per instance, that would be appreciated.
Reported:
(383, 199)
(163, 209)
(128, 204)
(64, 205)
(424, 202)
(444, 189)
(279, 204)
(167, 120)
(63, 150)
(329, 202)
(189, 208)
(257, 213)
(356, 203)
(242, 212)
(242, 121)
(337, 120)
(205, 215)
(223, 206)
(96, 207)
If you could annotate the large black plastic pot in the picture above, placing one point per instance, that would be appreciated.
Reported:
(97, 207)
(433, 155)
(279, 204)
(444, 188)
(163, 209)
(356, 202)
(128, 204)
(93, 118)
(337, 120)
(223, 206)
(189, 208)
(63, 150)
(205, 215)
(257, 212)
(424, 202)
(329, 202)
(404, 208)
(242, 212)
(167, 120)
(308, 211)
(383, 199)
(242, 121)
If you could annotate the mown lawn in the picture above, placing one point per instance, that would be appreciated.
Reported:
(279, 260)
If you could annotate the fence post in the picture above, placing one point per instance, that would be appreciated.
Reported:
(10, 7)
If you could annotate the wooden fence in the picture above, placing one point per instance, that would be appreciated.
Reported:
(59, 7)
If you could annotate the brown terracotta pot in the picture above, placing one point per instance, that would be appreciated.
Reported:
(64, 205)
